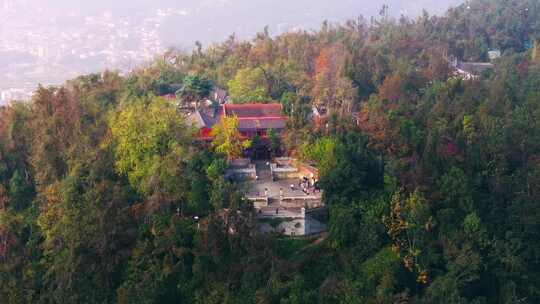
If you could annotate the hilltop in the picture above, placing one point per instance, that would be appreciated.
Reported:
(421, 138)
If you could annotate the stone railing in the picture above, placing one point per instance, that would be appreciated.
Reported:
(276, 168)
(240, 163)
(290, 168)
(259, 201)
(284, 161)
(282, 213)
(309, 202)
(283, 172)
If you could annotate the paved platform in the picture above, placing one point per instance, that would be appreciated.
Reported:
(265, 188)
(257, 188)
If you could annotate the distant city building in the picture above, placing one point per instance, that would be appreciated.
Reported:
(89, 44)
(13, 94)
(42, 52)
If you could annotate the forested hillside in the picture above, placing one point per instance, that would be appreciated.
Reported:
(433, 188)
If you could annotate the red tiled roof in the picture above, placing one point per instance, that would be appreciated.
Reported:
(253, 110)
(263, 123)
(257, 115)
(251, 117)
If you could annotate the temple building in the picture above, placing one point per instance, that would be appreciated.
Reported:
(256, 118)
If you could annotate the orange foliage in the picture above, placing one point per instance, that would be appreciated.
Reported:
(438, 68)
(373, 121)
(393, 88)
(323, 62)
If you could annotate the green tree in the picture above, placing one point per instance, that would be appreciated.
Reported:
(194, 88)
(408, 225)
(86, 232)
(151, 143)
(160, 267)
(56, 128)
(20, 192)
(249, 85)
(227, 139)
(348, 168)
(275, 141)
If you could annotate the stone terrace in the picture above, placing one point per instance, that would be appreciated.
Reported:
(278, 189)
(274, 198)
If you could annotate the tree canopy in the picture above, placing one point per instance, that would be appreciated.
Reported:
(194, 88)
(431, 180)
(227, 138)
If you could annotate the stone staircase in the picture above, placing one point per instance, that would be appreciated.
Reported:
(263, 171)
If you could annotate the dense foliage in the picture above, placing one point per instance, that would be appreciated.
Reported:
(433, 185)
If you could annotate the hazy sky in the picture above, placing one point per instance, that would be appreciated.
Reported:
(361, 6)
(49, 41)
(214, 20)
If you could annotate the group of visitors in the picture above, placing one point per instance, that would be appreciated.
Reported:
(309, 185)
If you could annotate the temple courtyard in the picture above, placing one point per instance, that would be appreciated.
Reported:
(284, 193)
